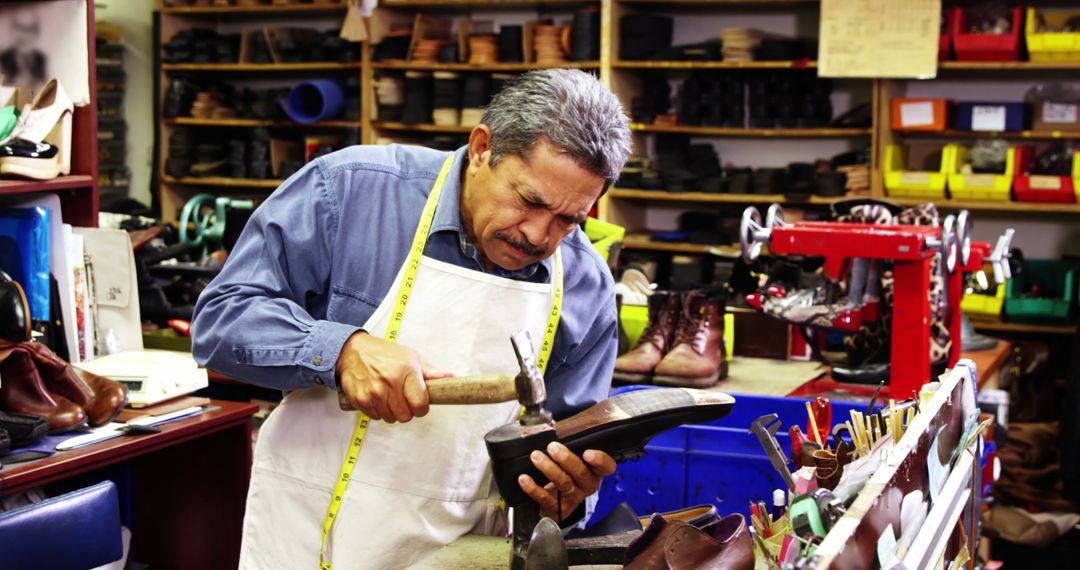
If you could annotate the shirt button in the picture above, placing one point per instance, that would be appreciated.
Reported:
(319, 381)
(317, 361)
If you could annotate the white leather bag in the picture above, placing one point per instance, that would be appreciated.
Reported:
(116, 290)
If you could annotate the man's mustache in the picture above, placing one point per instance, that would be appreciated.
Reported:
(528, 248)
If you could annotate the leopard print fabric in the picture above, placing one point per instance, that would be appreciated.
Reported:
(870, 343)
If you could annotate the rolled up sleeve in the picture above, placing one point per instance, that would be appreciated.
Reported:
(252, 322)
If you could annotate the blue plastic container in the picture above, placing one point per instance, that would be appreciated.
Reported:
(721, 463)
(314, 100)
(987, 116)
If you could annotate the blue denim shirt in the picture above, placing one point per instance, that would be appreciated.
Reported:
(330, 240)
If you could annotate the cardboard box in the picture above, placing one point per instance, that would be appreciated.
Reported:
(1049, 116)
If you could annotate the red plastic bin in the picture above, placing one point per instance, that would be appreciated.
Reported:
(944, 40)
(985, 47)
(1042, 188)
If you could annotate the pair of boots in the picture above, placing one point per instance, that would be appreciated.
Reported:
(39, 383)
(683, 344)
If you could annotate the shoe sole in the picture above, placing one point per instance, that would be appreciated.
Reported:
(631, 378)
(620, 426)
(36, 168)
(700, 382)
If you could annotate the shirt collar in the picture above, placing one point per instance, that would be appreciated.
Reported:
(448, 219)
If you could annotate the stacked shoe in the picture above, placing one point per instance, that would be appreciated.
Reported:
(654, 100)
(258, 155)
(447, 101)
(389, 97)
(643, 35)
(511, 44)
(419, 98)
(426, 51)
(39, 145)
(474, 98)
(393, 47)
(550, 43)
(712, 99)
(740, 43)
(483, 49)
(684, 345)
(585, 35)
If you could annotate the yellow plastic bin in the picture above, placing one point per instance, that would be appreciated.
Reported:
(986, 186)
(634, 319)
(984, 307)
(1076, 174)
(916, 183)
(1051, 46)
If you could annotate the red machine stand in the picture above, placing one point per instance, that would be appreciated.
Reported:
(911, 250)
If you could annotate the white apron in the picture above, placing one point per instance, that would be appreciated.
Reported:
(416, 486)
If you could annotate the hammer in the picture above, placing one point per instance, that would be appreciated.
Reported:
(527, 387)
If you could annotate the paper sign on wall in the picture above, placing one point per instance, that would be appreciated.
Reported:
(988, 118)
(879, 38)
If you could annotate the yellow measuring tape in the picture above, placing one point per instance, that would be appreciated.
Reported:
(412, 264)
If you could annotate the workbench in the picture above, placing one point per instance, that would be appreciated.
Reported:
(182, 491)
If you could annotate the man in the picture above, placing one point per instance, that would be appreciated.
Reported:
(330, 266)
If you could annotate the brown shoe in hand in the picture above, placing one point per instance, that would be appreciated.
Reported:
(697, 358)
(636, 366)
(103, 399)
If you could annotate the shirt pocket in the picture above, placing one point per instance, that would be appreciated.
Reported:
(350, 307)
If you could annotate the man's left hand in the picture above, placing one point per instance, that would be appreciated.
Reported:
(572, 478)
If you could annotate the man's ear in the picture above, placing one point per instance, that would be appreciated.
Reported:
(479, 148)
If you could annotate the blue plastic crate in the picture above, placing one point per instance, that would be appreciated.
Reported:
(720, 463)
(1003, 116)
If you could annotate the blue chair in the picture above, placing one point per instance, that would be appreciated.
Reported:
(80, 529)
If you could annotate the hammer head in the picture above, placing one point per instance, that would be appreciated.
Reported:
(529, 382)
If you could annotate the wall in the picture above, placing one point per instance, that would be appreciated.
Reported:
(135, 17)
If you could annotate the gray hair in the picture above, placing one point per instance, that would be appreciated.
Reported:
(570, 109)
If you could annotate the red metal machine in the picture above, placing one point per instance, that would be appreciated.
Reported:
(911, 249)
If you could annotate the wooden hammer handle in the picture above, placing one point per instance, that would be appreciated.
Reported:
(482, 389)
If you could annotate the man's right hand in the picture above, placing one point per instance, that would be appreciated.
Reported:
(383, 379)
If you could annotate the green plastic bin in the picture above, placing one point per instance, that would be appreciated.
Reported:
(1058, 279)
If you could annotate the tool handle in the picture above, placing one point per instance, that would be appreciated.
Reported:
(482, 389)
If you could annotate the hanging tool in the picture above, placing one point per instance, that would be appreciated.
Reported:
(765, 429)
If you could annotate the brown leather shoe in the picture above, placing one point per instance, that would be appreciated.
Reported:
(23, 392)
(697, 358)
(636, 366)
(722, 545)
(698, 516)
(103, 399)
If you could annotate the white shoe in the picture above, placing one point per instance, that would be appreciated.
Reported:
(48, 119)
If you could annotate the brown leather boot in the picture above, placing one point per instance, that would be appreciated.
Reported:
(636, 366)
(697, 358)
(23, 392)
(103, 399)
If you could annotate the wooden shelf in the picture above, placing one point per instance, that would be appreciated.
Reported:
(267, 8)
(729, 132)
(719, 2)
(466, 4)
(409, 65)
(316, 66)
(223, 182)
(422, 128)
(713, 64)
(988, 206)
(689, 248)
(999, 326)
(990, 65)
(12, 186)
(953, 133)
(660, 195)
(195, 122)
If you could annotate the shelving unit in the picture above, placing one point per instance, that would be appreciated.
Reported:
(714, 64)
(497, 67)
(174, 191)
(738, 132)
(998, 326)
(78, 192)
(702, 197)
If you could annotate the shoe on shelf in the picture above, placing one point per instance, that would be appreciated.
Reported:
(37, 160)
(637, 365)
(101, 398)
(697, 359)
(23, 392)
(48, 119)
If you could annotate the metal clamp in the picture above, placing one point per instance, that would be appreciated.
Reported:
(752, 235)
(948, 244)
(999, 258)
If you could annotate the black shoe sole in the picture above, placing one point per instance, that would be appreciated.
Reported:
(620, 426)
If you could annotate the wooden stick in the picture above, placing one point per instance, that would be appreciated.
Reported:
(813, 425)
(854, 436)
(856, 420)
